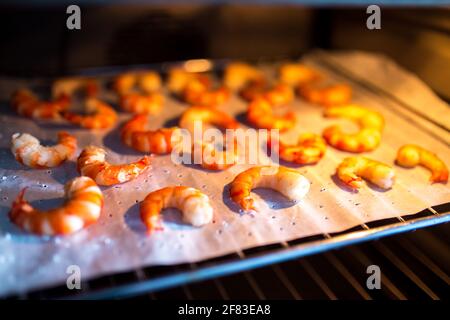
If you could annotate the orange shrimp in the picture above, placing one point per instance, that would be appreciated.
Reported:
(411, 155)
(261, 115)
(138, 92)
(135, 136)
(296, 74)
(309, 149)
(206, 116)
(146, 81)
(178, 78)
(194, 205)
(239, 74)
(331, 95)
(29, 151)
(100, 115)
(69, 86)
(197, 92)
(82, 208)
(288, 182)
(368, 137)
(28, 105)
(210, 158)
(279, 94)
(92, 163)
(353, 169)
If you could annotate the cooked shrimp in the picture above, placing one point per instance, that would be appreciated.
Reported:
(331, 95)
(279, 94)
(69, 86)
(137, 137)
(29, 151)
(239, 74)
(261, 115)
(92, 163)
(194, 205)
(288, 182)
(366, 139)
(28, 105)
(411, 155)
(82, 208)
(178, 79)
(149, 103)
(353, 169)
(197, 92)
(309, 149)
(146, 81)
(100, 115)
(206, 116)
(295, 74)
(209, 157)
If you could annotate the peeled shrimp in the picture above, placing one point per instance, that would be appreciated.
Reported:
(288, 182)
(149, 103)
(279, 94)
(82, 208)
(197, 92)
(332, 95)
(411, 155)
(28, 105)
(260, 114)
(206, 116)
(146, 81)
(353, 169)
(295, 74)
(100, 115)
(69, 86)
(366, 139)
(239, 74)
(211, 158)
(92, 163)
(309, 149)
(29, 151)
(194, 205)
(178, 79)
(137, 137)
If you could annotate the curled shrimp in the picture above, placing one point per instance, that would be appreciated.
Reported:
(309, 149)
(69, 86)
(92, 163)
(137, 137)
(279, 94)
(82, 208)
(352, 170)
(238, 74)
(178, 78)
(138, 92)
(27, 104)
(211, 158)
(198, 92)
(260, 114)
(29, 151)
(99, 115)
(194, 205)
(206, 116)
(368, 137)
(331, 95)
(295, 74)
(146, 81)
(411, 155)
(288, 182)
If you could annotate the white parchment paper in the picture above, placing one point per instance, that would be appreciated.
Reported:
(118, 241)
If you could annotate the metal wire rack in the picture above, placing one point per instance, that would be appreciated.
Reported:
(151, 279)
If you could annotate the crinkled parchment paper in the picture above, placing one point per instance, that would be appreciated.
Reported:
(118, 241)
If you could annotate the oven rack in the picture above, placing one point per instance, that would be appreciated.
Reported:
(155, 278)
